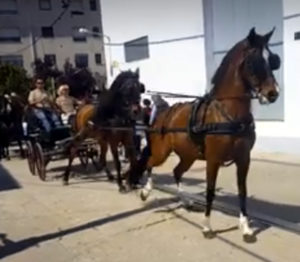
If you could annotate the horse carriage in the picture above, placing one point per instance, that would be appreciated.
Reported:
(43, 147)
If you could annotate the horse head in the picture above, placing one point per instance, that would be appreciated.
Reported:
(128, 89)
(250, 64)
(258, 66)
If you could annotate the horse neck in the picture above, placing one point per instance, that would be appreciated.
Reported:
(233, 92)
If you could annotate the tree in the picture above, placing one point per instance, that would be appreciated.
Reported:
(45, 69)
(14, 79)
(80, 80)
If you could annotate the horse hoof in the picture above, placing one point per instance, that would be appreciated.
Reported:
(65, 183)
(249, 238)
(110, 178)
(144, 195)
(209, 234)
(122, 189)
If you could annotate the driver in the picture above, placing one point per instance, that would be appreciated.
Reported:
(42, 105)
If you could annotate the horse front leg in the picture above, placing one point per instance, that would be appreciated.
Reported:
(212, 169)
(22, 152)
(115, 154)
(102, 160)
(7, 155)
(72, 155)
(131, 176)
(242, 170)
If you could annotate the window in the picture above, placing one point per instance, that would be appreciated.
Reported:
(93, 5)
(50, 59)
(98, 59)
(47, 32)
(137, 49)
(81, 60)
(77, 7)
(96, 31)
(16, 60)
(10, 35)
(45, 4)
(77, 36)
(8, 7)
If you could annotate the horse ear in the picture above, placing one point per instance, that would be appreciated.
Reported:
(137, 71)
(268, 36)
(252, 36)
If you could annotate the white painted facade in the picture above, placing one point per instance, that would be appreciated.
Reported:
(180, 67)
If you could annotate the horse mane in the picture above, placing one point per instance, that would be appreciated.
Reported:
(223, 67)
(120, 80)
(164, 116)
(109, 101)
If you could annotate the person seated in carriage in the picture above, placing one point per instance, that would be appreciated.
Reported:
(66, 103)
(42, 106)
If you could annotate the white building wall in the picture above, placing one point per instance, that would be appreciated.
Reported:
(284, 136)
(180, 67)
(177, 67)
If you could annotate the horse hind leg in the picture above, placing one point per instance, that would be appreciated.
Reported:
(114, 151)
(156, 159)
(183, 165)
(102, 160)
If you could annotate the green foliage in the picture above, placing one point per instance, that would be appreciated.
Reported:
(80, 80)
(45, 69)
(14, 79)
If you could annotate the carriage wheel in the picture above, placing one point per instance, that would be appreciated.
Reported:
(40, 161)
(31, 157)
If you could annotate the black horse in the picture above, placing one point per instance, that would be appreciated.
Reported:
(117, 107)
(11, 113)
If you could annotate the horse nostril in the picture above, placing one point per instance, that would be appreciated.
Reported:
(272, 96)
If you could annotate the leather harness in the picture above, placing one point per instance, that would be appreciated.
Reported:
(198, 130)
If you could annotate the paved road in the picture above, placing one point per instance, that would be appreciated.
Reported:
(90, 221)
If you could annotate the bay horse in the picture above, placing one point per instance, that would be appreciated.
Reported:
(117, 108)
(218, 127)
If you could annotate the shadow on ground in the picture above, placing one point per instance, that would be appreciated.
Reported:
(7, 182)
(12, 247)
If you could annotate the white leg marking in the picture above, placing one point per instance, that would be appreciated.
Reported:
(147, 188)
(179, 188)
(206, 224)
(149, 184)
(244, 225)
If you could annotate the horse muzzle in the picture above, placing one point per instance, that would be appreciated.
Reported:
(269, 97)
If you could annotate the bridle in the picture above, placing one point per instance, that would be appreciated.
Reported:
(253, 89)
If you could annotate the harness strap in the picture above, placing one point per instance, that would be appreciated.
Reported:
(198, 130)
